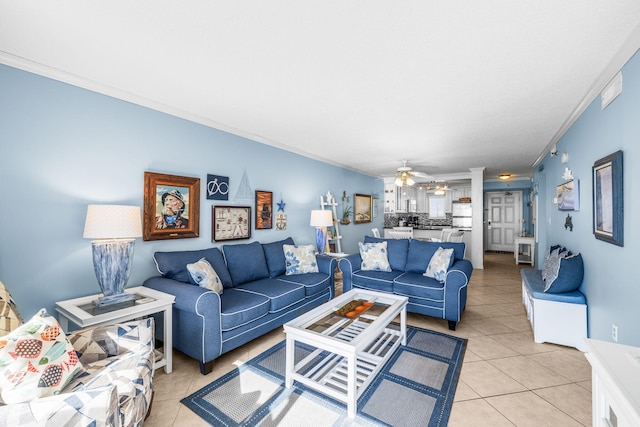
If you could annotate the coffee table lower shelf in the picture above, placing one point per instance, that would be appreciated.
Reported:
(343, 375)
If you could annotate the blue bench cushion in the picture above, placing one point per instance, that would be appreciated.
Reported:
(274, 254)
(397, 250)
(535, 285)
(246, 262)
(173, 265)
(239, 307)
(281, 294)
(375, 280)
(313, 283)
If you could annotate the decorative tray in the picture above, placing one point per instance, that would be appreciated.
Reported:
(353, 309)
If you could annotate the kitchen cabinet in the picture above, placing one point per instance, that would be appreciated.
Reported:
(389, 196)
(403, 195)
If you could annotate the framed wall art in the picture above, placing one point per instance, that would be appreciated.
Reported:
(568, 196)
(230, 223)
(362, 208)
(217, 187)
(608, 213)
(264, 210)
(171, 207)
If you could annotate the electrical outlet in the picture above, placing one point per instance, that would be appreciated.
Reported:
(614, 332)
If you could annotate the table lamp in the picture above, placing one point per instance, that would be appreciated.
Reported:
(114, 229)
(321, 219)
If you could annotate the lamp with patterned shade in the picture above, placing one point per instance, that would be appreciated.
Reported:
(114, 229)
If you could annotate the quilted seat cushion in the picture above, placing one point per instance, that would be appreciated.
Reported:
(418, 285)
(239, 307)
(281, 294)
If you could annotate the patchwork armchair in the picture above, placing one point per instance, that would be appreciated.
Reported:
(109, 368)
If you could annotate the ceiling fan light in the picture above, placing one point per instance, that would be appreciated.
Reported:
(410, 181)
(398, 182)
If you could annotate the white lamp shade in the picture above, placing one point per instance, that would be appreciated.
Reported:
(112, 222)
(321, 218)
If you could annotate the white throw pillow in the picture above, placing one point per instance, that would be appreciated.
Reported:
(439, 264)
(374, 256)
(300, 259)
(204, 275)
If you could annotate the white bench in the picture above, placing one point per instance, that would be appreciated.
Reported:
(555, 318)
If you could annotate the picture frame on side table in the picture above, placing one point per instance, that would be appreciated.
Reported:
(230, 223)
(362, 208)
(264, 210)
(171, 207)
(608, 214)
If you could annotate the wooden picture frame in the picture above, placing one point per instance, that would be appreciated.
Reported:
(230, 223)
(608, 212)
(264, 210)
(362, 208)
(171, 207)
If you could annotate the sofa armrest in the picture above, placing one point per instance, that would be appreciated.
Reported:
(455, 288)
(349, 265)
(96, 407)
(98, 343)
(197, 331)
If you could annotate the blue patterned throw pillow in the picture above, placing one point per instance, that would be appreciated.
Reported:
(300, 259)
(203, 274)
(374, 256)
(439, 264)
(567, 275)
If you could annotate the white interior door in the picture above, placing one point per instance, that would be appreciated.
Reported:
(504, 212)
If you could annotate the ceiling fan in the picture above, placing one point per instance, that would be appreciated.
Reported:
(406, 176)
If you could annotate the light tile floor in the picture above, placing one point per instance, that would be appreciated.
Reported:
(506, 378)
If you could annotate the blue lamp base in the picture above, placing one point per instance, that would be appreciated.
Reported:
(321, 238)
(112, 261)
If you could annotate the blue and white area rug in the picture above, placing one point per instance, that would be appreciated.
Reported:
(415, 388)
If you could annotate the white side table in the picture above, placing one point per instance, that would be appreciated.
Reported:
(526, 256)
(83, 313)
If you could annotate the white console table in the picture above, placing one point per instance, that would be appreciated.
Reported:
(615, 383)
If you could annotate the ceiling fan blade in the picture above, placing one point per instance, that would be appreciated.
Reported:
(422, 175)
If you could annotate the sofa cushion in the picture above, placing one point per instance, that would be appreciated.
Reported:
(274, 254)
(374, 256)
(203, 275)
(239, 307)
(313, 283)
(439, 264)
(375, 280)
(420, 253)
(281, 294)
(568, 276)
(245, 262)
(300, 259)
(37, 360)
(418, 285)
(397, 250)
(173, 265)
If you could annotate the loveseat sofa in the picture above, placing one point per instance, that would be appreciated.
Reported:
(408, 260)
(257, 296)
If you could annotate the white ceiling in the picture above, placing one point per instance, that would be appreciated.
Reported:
(448, 85)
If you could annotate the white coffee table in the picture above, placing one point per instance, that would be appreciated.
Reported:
(351, 351)
(83, 313)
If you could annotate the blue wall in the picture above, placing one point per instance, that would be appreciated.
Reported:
(610, 281)
(64, 147)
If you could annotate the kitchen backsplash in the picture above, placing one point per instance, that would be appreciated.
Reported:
(392, 220)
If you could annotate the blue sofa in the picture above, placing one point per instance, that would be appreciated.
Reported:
(409, 259)
(257, 297)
